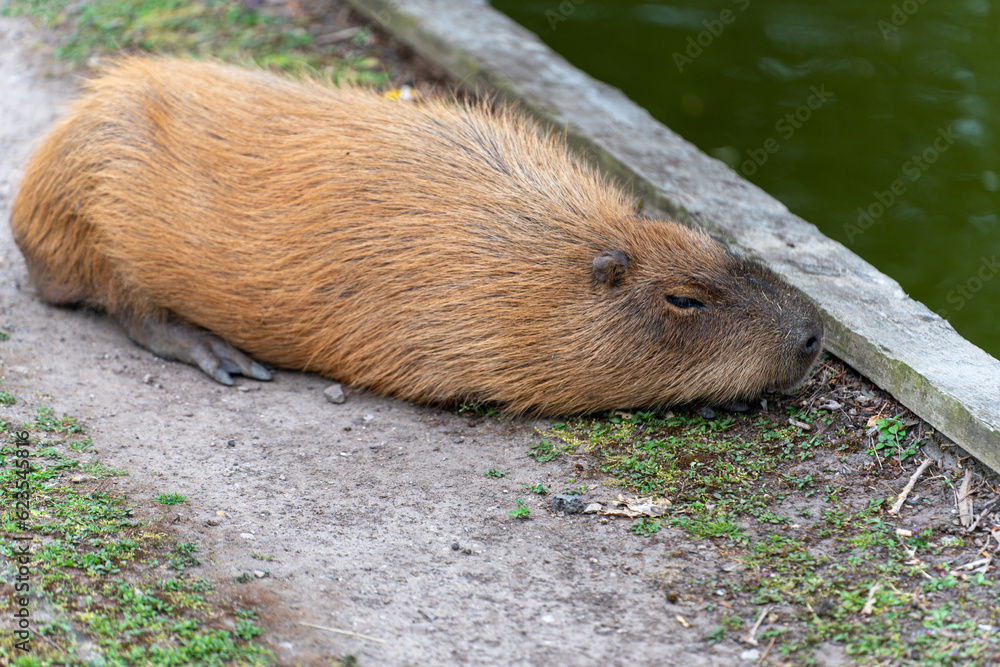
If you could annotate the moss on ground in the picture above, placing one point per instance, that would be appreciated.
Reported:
(87, 581)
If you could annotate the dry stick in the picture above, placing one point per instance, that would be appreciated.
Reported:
(763, 655)
(982, 515)
(343, 632)
(963, 500)
(909, 487)
(750, 639)
(870, 602)
(39, 634)
(975, 563)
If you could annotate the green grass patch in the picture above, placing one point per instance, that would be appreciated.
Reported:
(97, 575)
(228, 30)
(769, 490)
(170, 498)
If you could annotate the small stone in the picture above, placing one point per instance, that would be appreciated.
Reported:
(750, 655)
(79, 479)
(147, 378)
(706, 412)
(230, 443)
(548, 618)
(260, 574)
(565, 502)
(455, 546)
(593, 508)
(335, 393)
(247, 536)
(459, 439)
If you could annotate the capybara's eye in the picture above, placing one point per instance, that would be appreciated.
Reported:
(684, 301)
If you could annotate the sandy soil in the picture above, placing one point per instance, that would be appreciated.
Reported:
(361, 504)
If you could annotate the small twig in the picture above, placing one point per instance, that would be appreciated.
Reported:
(343, 632)
(987, 508)
(910, 553)
(963, 501)
(975, 563)
(763, 655)
(982, 515)
(39, 634)
(909, 486)
(802, 425)
(750, 638)
(995, 532)
(870, 602)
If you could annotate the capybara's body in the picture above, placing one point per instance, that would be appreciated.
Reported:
(437, 252)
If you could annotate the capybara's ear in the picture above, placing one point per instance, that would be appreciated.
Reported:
(610, 267)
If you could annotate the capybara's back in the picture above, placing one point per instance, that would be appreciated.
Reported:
(437, 251)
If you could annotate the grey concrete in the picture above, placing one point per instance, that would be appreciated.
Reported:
(871, 323)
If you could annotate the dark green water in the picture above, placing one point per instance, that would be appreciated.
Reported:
(876, 121)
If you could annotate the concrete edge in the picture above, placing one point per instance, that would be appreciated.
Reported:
(871, 324)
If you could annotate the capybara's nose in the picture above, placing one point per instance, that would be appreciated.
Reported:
(812, 341)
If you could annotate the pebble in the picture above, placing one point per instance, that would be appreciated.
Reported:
(750, 655)
(335, 393)
(568, 503)
(593, 508)
(707, 413)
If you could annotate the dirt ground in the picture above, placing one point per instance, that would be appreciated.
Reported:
(361, 504)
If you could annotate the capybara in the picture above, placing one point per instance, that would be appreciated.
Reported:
(440, 251)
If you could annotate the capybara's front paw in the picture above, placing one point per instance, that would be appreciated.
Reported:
(176, 340)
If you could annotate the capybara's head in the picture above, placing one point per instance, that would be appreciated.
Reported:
(678, 318)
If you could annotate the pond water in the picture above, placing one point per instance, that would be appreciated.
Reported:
(876, 121)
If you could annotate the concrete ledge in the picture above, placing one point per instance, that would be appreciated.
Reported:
(871, 323)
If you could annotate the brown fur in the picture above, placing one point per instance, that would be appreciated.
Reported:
(436, 252)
